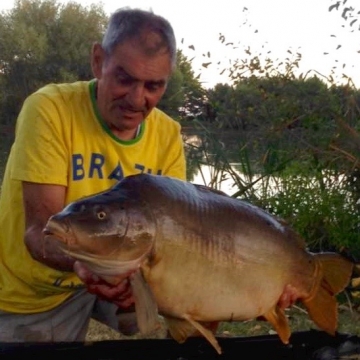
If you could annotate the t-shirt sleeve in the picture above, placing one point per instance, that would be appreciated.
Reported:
(175, 158)
(40, 152)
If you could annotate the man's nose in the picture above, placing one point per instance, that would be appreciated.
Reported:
(136, 96)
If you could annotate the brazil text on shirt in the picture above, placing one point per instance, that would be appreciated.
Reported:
(95, 168)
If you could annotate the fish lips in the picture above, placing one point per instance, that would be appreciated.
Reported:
(58, 234)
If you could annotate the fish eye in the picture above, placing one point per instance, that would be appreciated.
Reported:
(101, 215)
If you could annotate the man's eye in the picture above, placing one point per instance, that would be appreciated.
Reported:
(153, 87)
(124, 81)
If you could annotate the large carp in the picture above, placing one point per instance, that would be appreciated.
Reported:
(203, 256)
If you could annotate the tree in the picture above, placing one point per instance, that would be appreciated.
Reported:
(348, 12)
(184, 96)
(173, 99)
(43, 42)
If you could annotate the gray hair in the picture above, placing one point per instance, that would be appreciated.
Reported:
(126, 24)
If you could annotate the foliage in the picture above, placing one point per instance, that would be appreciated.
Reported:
(184, 94)
(319, 208)
(348, 12)
(174, 95)
(42, 42)
(287, 113)
(194, 94)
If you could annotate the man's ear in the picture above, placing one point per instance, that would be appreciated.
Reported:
(97, 60)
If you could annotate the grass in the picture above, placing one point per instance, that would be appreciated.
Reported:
(348, 323)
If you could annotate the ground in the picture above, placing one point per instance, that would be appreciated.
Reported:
(349, 323)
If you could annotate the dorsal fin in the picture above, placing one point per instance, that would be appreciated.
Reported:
(204, 188)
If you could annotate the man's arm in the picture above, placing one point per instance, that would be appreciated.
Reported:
(40, 202)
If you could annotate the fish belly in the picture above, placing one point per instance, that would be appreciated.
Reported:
(211, 291)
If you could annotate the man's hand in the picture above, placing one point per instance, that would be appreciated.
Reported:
(288, 297)
(119, 294)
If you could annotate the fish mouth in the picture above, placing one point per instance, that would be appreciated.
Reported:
(64, 238)
(62, 233)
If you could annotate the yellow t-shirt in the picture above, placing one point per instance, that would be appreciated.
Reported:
(61, 139)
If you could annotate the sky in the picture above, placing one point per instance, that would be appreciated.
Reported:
(269, 28)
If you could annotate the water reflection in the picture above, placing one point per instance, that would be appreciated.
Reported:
(233, 181)
(264, 186)
(206, 175)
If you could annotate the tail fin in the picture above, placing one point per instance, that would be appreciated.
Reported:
(354, 286)
(322, 305)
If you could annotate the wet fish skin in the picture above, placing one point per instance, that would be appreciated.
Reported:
(205, 256)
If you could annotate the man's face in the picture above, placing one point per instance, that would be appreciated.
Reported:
(130, 84)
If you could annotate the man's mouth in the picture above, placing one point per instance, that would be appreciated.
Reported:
(130, 112)
(126, 108)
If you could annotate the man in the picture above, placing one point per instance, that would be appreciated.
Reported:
(74, 140)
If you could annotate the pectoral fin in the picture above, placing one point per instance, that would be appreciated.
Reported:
(278, 320)
(180, 330)
(145, 304)
(208, 334)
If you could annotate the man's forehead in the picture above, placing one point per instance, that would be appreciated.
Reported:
(129, 75)
(131, 58)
